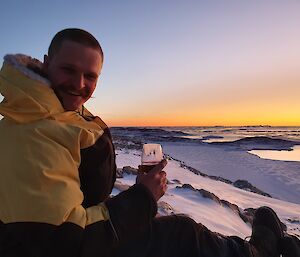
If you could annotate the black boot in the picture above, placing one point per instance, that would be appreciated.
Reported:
(290, 246)
(267, 233)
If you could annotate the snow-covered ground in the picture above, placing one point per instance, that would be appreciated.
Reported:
(281, 179)
(215, 216)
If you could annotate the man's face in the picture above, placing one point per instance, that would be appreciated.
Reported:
(73, 72)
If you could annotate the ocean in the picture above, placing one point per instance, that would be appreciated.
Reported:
(225, 134)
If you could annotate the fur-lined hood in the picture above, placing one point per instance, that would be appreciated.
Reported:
(27, 65)
(27, 93)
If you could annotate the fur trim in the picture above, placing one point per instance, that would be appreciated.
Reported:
(30, 67)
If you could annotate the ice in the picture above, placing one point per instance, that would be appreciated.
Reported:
(282, 155)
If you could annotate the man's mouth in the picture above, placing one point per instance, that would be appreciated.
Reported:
(73, 93)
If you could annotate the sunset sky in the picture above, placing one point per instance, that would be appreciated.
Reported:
(177, 62)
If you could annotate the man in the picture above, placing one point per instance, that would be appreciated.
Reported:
(58, 170)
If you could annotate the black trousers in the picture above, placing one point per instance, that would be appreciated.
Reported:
(176, 235)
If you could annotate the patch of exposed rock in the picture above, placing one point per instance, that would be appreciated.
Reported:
(129, 170)
(119, 173)
(246, 215)
(224, 203)
(245, 185)
(174, 181)
(293, 220)
(164, 208)
(186, 186)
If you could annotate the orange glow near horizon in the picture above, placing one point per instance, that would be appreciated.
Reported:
(225, 118)
(185, 123)
(260, 112)
(269, 100)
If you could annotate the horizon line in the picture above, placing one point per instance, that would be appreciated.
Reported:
(206, 126)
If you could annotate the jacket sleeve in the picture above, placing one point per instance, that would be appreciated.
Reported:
(131, 210)
(127, 216)
(97, 170)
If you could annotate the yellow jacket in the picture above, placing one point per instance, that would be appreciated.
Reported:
(40, 151)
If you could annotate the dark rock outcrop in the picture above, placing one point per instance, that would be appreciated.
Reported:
(209, 195)
(245, 185)
(129, 170)
(186, 186)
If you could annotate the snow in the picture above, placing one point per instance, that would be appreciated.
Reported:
(216, 217)
(281, 179)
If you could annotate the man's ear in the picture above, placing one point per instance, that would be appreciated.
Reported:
(45, 64)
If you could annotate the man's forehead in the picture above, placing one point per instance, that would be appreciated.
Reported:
(77, 54)
(68, 46)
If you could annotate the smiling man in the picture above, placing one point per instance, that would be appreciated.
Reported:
(58, 161)
(58, 170)
(73, 71)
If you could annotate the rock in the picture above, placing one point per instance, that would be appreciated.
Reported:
(218, 178)
(237, 210)
(246, 216)
(186, 186)
(245, 185)
(231, 206)
(176, 181)
(165, 208)
(293, 221)
(119, 173)
(209, 195)
(129, 170)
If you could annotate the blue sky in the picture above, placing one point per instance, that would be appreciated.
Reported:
(177, 62)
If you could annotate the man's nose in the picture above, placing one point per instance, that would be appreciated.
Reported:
(78, 81)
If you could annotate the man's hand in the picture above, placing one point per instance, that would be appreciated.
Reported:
(155, 180)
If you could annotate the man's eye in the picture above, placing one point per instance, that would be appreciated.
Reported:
(90, 77)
